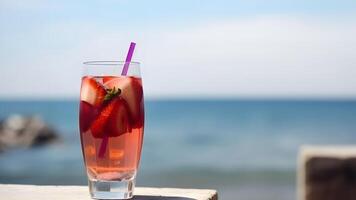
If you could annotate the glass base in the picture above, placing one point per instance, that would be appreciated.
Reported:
(111, 189)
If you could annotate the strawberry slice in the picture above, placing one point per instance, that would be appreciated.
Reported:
(108, 78)
(86, 115)
(119, 121)
(97, 128)
(112, 120)
(131, 91)
(92, 92)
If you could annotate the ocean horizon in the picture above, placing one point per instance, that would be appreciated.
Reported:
(237, 146)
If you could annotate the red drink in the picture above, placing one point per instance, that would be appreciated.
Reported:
(111, 126)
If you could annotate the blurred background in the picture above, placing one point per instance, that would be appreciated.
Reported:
(232, 88)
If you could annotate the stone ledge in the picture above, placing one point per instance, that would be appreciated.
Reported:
(327, 173)
(36, 192)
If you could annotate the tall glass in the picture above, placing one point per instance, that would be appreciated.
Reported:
(111, 122)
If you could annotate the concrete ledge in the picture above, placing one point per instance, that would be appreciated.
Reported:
(34, 192)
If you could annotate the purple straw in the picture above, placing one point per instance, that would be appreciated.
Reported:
(103, 146)
(128, 59)
(105, 140)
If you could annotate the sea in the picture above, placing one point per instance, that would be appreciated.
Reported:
(245, 149)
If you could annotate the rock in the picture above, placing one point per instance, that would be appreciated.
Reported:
(327, 173)
(19, 131)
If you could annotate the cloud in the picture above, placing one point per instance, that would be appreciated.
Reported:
(266, 56)
(258, 57)
(21, 6)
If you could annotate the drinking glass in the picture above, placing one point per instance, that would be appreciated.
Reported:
(111, 123)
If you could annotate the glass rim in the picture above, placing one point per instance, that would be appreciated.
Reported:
(110, 63)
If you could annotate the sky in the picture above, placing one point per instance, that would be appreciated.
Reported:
(187, 48)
